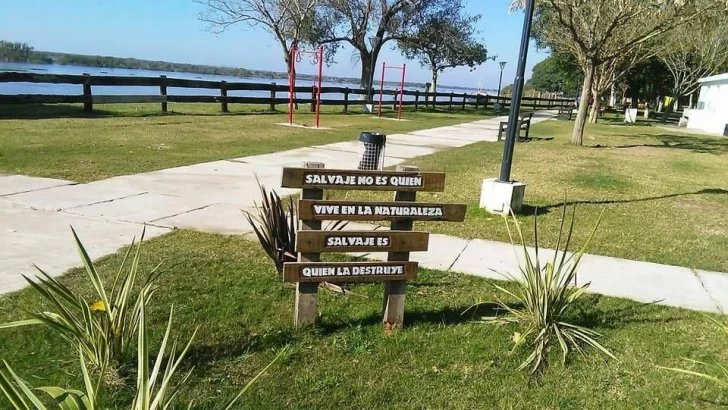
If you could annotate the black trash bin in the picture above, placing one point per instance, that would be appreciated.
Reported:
(372, 152)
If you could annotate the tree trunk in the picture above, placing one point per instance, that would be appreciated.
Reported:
(366, 69)
(577, 135)
(433, 88)
(594, 114)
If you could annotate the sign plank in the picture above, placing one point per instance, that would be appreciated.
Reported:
(379, 211)
(361, 241)
(409, 181)
(348, 271)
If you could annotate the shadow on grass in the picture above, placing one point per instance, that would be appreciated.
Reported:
(201, 354)
(445, 316)
(701, 145)
(547, 208)
(49, 111)
(588, 314)
(619, 120)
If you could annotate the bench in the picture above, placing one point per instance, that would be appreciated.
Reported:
(565, 113)
(523, 124)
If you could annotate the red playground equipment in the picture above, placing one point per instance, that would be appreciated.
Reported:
(401, 88)
(317, 58)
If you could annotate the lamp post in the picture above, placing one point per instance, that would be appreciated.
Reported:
(513, 129)
(501, 195)
(374, 43)
(500, 81)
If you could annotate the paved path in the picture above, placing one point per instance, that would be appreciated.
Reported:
(35, 214)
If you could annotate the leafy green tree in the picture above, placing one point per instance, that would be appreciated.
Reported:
(600, 31)
(15, 52)
(558, 72)
(445, 40)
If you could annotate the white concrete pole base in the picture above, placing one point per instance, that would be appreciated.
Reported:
(369, 108)
(501, 197)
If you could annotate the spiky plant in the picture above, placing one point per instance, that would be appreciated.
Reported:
(276, 225)
(722, 371)
(544, 294)
(155, 389)
(105, 326)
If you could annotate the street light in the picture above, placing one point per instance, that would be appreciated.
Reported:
(501, 195)
(500, 81)
(374, 43)
(513, 131)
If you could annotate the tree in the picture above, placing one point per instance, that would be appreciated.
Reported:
(444, 40)
(695, 50)
(596, 32)
(355, 21)
(558, 72)
(15, 51)
(289, 21)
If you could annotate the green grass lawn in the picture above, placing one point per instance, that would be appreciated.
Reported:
(664, 193)
(441, 359)
(60, 141)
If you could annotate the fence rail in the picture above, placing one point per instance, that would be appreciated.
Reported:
(421, 98)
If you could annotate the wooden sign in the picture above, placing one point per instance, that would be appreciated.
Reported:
(361, 241)
(349, 271)
(379, 211)
(398, 242)
(363, 180)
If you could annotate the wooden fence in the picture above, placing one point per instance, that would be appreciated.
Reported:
(278, 93)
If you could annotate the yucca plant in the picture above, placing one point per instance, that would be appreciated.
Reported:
(105, 326)
(275, 224)
(544, 294)
(722, 371)
(154, 391)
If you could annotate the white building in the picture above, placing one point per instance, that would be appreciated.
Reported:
(711, 114)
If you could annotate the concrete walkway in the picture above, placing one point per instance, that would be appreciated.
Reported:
(35, 214)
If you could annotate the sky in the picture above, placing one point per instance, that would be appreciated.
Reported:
(169, 30)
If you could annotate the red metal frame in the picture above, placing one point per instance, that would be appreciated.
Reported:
(401, 89)
(317, 58)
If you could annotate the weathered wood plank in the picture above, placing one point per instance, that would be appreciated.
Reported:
(348, 271)
(307, 292)
(362, 241)
(41, 99)
(128, 99)
(379, 211)
(395, 291)
(363, 180)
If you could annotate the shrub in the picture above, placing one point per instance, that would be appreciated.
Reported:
(722, 378)
(276, 225)
(103, 328)
(154, 390)
(543, 296)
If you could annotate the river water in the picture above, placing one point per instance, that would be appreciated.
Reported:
(76, 89)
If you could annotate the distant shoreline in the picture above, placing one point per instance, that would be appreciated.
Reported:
(82, 60)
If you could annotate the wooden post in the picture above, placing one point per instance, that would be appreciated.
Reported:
(477, 101)
(394, 291)
(452, 95)
(346, 99)
(465, 96)
(535, 101)
(417, 99)
(313, 98)
(487, 99)
(163, 91)
(223, 96)
(307, 292)
(273, 96)
(88, 104)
